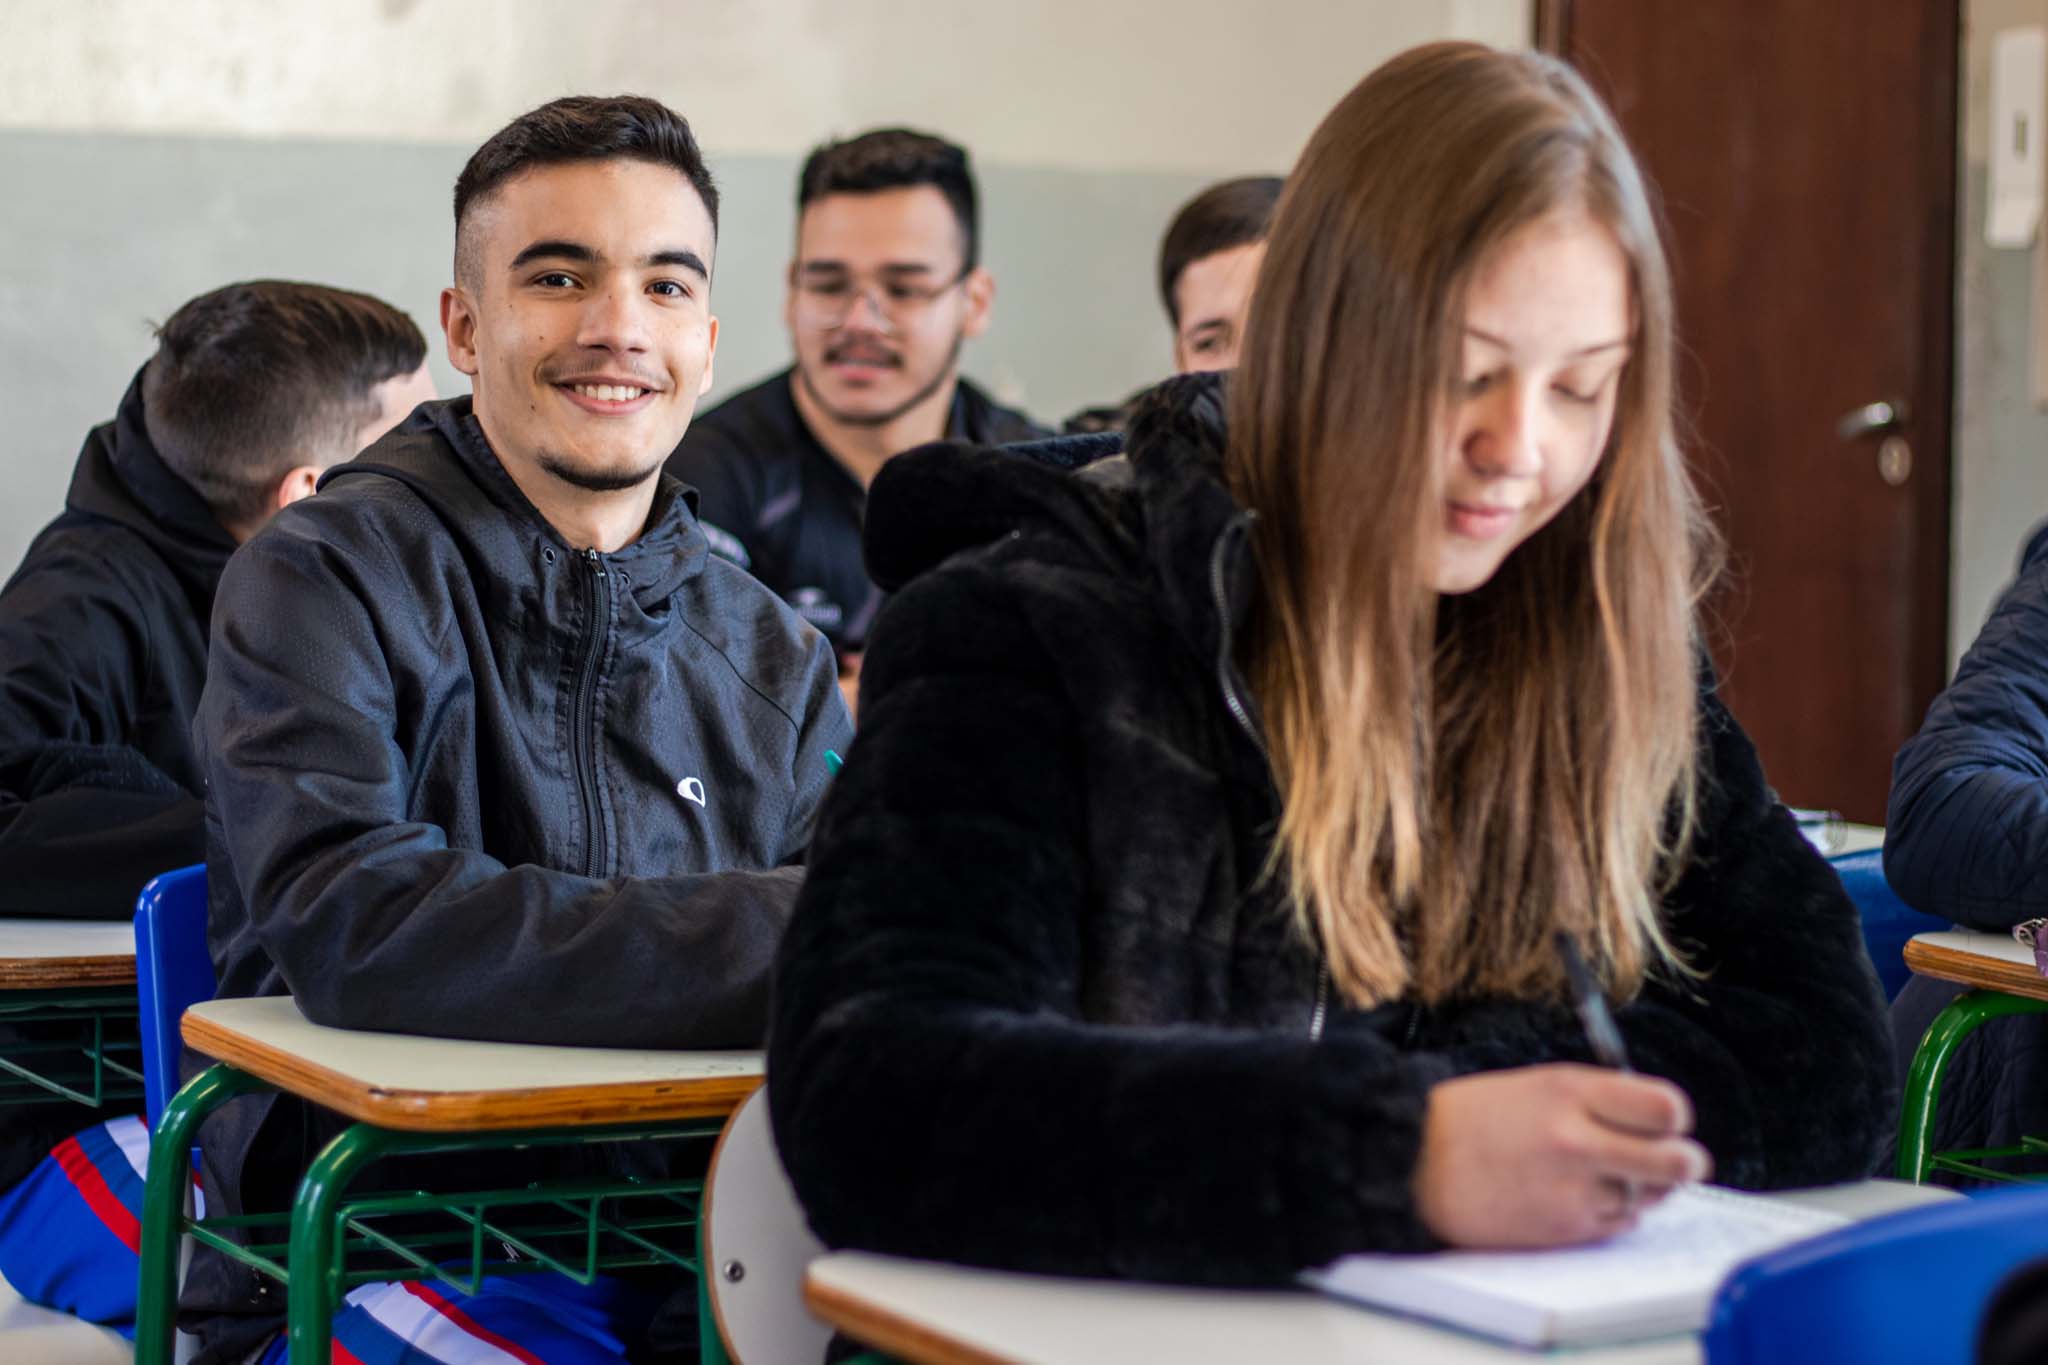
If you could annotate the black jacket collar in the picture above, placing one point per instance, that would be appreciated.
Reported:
(441, 454)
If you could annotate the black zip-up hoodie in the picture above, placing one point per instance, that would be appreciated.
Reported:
(470, 780)
(102, 655)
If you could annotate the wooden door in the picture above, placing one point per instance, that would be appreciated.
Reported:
(1805, 151)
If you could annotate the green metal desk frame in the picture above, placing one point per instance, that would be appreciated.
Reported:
(89, 1053)
(1964, 1015)
(584, 1230)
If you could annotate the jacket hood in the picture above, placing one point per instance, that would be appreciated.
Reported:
(441, 454)
(1163, 502)
(120, 478)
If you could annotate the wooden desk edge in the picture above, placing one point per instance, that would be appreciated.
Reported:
(889, 1332)
(1975, 969)
(470, 1111)
(53, 973)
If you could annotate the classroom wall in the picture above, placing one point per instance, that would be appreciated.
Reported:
(153, 151)
(2000, 450)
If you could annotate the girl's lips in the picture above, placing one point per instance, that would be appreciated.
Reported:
(1476, 522)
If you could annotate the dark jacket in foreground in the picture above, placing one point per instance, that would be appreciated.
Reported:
(1966, 838)
(467, 779)
(1032, 1011)
(102, 655)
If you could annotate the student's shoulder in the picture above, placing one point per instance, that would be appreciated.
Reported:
(369, 534)
(80, 558)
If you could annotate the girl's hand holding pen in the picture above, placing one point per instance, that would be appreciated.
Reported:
(1550, 1155)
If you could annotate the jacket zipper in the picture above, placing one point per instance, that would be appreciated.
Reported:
(595, 857)
(1226, 677)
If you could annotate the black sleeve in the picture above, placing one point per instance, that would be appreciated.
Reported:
(1781, 1039)
(85, 818)
(1966, 829)
(375, 921)
(935, 1089)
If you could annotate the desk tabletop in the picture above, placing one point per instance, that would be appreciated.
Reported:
(41, 954)
(1997, 962)
(403, 1081)
(933, 1314)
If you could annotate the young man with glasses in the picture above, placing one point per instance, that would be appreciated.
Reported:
(885, 287)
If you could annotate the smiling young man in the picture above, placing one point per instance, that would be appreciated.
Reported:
(495, 747)
(885, 288)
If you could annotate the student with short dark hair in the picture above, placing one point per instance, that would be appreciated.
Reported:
(1208, 263)
(885, 287)
(1190, 905)
(253, 390)
(495, 748)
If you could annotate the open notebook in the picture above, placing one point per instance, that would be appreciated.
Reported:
(1655, 1279)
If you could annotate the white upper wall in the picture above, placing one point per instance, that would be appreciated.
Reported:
(1204, 86)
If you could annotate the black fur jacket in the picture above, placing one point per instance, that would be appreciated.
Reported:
(1032, 1012)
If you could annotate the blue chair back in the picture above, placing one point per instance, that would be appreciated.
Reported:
(1907, 1287)
(1887, 921)
(172, 970)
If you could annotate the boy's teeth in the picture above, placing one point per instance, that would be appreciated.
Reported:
(609, 393)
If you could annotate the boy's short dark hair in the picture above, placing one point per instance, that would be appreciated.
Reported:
(892, 159)
(252, 380)
(1233, 213)
(584, 128)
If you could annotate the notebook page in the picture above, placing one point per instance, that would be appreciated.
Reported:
(1658, 1277)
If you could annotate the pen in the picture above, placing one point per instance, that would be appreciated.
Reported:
(833, 762)
(1601, 1033)
(1594, 1017)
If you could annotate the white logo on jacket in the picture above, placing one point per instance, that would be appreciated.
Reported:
(690, 789)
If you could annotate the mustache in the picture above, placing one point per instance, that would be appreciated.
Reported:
(865, 352)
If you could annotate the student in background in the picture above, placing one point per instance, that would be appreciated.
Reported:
(548, 771)
(886, 286)
(1208, 264)
(1966, 838)
(253, 390)
(1188, 906)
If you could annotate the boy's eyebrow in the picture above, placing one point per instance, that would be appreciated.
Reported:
(556, 249)
(682, 258)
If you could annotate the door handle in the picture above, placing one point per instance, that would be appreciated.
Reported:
(1885, 415)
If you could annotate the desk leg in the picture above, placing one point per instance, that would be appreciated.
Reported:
(1964, 1015)
(316, 1240)
(168, 1186)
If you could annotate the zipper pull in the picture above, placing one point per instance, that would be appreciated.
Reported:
(1322, 1009)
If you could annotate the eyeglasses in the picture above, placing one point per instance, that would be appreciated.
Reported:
(827, 301)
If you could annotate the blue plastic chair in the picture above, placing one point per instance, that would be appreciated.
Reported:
(1888, 922)
(172, 970)
(1907, 1287)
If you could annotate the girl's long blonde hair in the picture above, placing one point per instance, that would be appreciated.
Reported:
(1462, 776)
